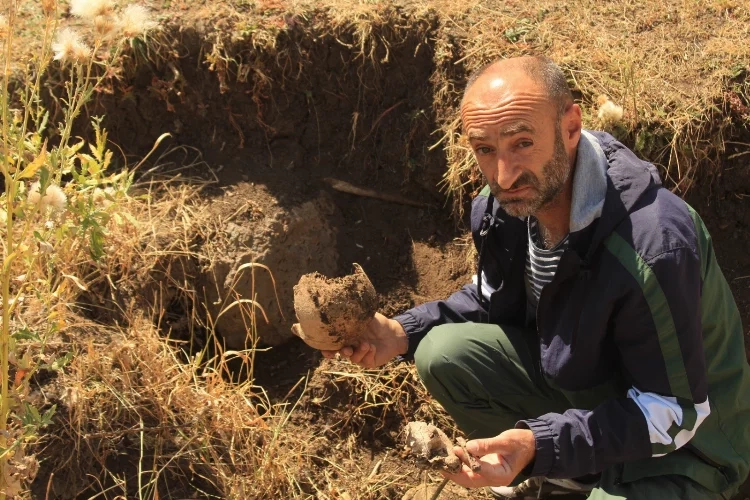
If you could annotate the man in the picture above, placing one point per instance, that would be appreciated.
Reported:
(600, 350)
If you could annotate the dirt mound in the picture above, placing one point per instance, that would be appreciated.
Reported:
(256, 253)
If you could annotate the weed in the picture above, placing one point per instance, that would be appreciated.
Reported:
(52, 230)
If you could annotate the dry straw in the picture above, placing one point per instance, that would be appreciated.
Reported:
(171, 407)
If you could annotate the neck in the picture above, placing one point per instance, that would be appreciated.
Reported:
(554, 218)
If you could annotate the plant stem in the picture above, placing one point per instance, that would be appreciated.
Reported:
(439, 489)
(9, 191)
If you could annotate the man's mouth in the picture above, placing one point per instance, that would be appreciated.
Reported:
(515, 192)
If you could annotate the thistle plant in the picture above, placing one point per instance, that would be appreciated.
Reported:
(58, 200)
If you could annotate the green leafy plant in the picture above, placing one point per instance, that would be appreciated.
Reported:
(58, 198)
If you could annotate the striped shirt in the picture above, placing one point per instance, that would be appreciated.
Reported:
(541, 264)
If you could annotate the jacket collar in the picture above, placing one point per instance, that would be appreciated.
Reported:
(608, 182)
(628, 178)
(589, 183)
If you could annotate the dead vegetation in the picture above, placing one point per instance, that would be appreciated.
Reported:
(143, 412)
(676, 68)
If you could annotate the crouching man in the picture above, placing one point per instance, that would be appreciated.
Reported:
(599, 350)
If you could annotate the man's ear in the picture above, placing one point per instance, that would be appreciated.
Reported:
(571, 125)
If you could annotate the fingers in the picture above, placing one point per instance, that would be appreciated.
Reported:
(481, 447)
(363, 355)
(359, 354)
(368, 361)
(467, 478)
(346, 352)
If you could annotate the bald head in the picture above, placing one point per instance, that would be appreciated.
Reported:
(523, 71)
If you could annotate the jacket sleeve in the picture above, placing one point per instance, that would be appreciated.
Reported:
(658, 333)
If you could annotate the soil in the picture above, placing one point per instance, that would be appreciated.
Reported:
(253, 248)
(333, 313)
(271, 154)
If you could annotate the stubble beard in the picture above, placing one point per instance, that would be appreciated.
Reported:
(555, 174)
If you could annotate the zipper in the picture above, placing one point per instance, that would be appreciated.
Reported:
(488, 221)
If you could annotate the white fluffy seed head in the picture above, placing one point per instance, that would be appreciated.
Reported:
(135, 21)
(53, 197)
(34, 195)
(69, 48)
(104, 25)
(609, 112)
(89, 9)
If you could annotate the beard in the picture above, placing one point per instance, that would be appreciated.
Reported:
(555, 174)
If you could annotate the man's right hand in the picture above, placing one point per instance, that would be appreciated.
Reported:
(383, 340)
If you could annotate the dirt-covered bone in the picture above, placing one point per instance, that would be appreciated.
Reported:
(333, 313)
(431, 447)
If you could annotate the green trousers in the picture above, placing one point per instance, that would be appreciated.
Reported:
(488, 378)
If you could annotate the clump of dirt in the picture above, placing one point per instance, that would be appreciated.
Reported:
(431, 447)
(333, 313)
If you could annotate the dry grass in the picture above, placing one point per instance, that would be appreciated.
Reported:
(142, 415)
(672, 64)
(141, 420)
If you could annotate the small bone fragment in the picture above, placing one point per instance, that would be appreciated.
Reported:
(431, 447)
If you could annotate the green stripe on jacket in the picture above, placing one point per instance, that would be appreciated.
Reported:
(723, 439)
(660, 313)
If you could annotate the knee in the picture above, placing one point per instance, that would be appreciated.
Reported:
(441, 351)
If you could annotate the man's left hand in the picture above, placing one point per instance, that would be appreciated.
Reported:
(502, 458)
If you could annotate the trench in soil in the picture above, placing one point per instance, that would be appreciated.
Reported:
(369, 124)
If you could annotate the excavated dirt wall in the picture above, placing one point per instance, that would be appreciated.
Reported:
(319, 106)
(270, 139)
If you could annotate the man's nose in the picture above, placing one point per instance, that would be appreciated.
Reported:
(506, 173)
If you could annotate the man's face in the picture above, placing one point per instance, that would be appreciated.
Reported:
(515, 134)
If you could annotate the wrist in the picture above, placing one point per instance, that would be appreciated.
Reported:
(529, 446)
(402, 341)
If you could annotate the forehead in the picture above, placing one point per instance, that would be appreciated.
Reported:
(500, 102)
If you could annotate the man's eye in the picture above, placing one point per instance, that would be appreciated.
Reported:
(483, 150)
(525, 144)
